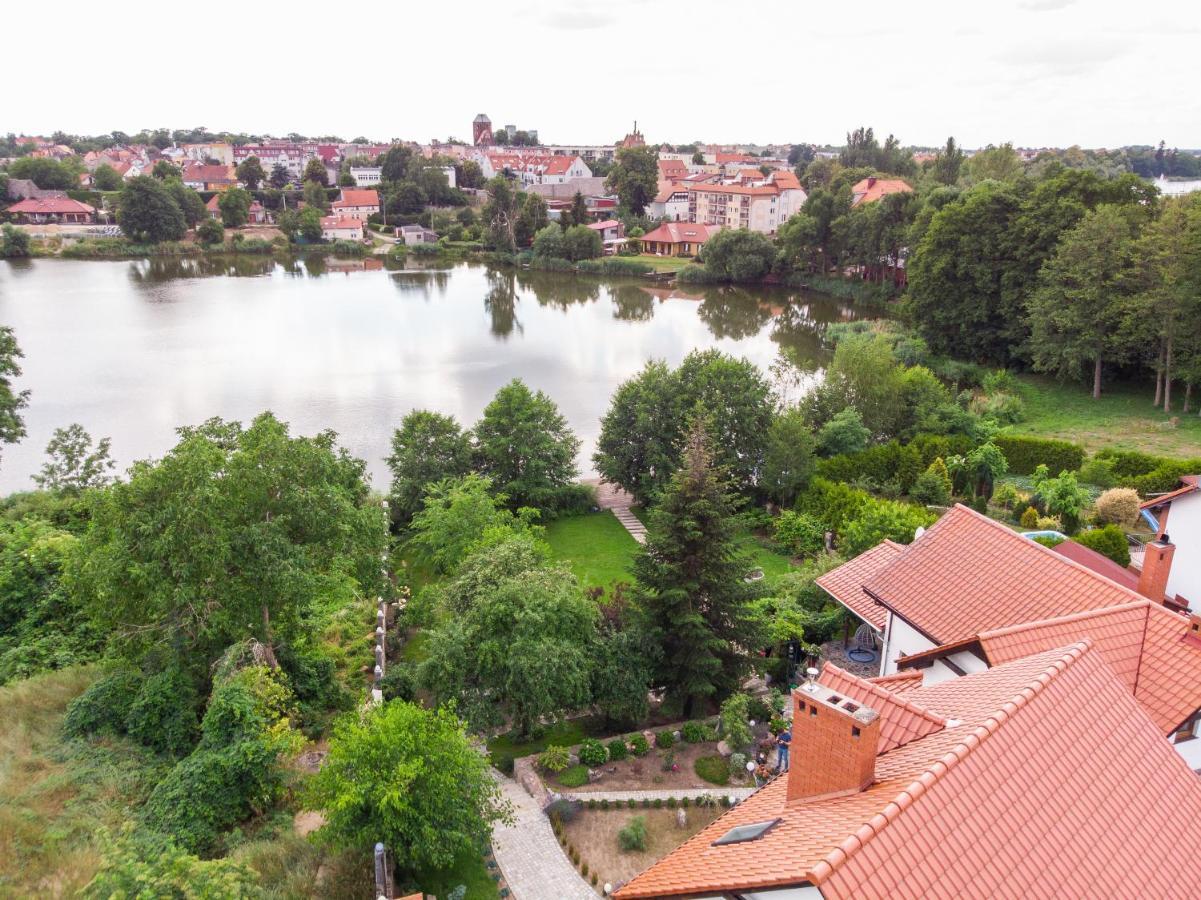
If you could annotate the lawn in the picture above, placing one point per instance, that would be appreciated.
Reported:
(470, 870)
(772, 562)
(595, 545)
(504, 748)
(1123, 418)
(664, 263)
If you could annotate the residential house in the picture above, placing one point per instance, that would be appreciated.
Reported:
(416, 234)
(1180, 510)
(869, 190)
(202, 177)
(341, 228)
(366, 176)
(591, 187)
(51, 210)
(535, 168)
(677, 239)
(762, 207)
(612, 232)
(967, 574)
(256, 215)
(1039, 778)
(671, 170)
(356, 204)
(25, 189)
(670, 203)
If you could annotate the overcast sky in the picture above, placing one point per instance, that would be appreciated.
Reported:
(1036, 72)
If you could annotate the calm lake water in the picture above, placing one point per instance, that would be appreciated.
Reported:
(132, 350)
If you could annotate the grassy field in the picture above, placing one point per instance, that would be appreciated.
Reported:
(1123, 418)
(595, 545)
(504, 748)
(664, 263)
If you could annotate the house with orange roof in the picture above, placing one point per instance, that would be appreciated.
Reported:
(968, 573)
(871, 189)
(677, 239)
(341, 228)
(52, 210)
(201, 177)
(256, 215)
(761, 206)
(670, 203)
(1039, 778)
(356, 204)
(1179, 511)
(535, 168)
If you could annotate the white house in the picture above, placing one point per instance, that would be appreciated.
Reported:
(671, 203)
(341, 228)
(356, 204)
(535, 169)
(1178, 514)
(365, 176)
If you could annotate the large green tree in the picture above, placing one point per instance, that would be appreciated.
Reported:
(105, 178)
(788, 458)
(690, 582)
(73, 465)
(188, 201)
(250, 173)
(635, 177)
(12, 425)
(236, 532)
(148, 213)
(526, 447)
(426, 448)
(739, 255)
(235, 207)
(314, 170)
(408, 777)
(500, 214)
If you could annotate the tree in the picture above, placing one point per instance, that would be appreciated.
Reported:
(235, 533)
(148, 213)
(635, 177)
(516, 638)
(862, 148)
(578, 213)
(427, 447)
(788, 461)
(1061, 496)
(1080, 314)
(468, 174)
(739, 255)
(947, 163)
(12, 426)
(105, 178)
(309, 222)
(525, 445)
(883, 520)
(548, 243)
(500, 214)
(394, 163)
(844, 433)
(865, 375)
(48, 174)
(163, 170)
(314, 171)
(235, 207)
(690, 582)
(315, 197)
(14, 242)
(582, 242)
(210, 233)
(643, 430)
(187, 200)
(410, 778)
(986, 464)
(73, 465)
(137, 865)
(250, 173)
(280, 176)
(532, 219)
(993, 164)
(624, 669)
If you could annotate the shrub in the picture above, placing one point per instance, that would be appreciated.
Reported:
(633, 836)
(554, 758)
(1048, 540)
(933, 486)
(685, 802)
(759, 709)
(594, 879)
(103, 706)
(1007, 496)
(844, 433)
(737, 765)
(639, 745)
(592, 803)
(693, 732)
(646, 802)
(664, 740)
(1048, 523)
(1025, 453)
(734, 716)
(614, 266)
(1061, 496)
(833, 503)
(617, 749)
(563, 812)
(631, 803)
(593, 753)
(884, 519)
(163, 715)
(657, 803)
(604, 804)
(1118, 506)
(668, 761)
(671, 802)
(573, 777)
(398, 683)
(1029, 519)
(1098, 471)
(799, 533)
(1109, 541)
(712, 769)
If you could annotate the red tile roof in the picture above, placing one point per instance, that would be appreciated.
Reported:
(351, 197)
(785, 180)
(341, 222)
(672, 168)
(1188, 484)
(47, 206)
(1051, 782)
(680, 233)
(899, 682)
(969, 574)
(869, 190)
(1148, 647)
(601, 226)
(209, 174)
(1094, 561)
(900, 720)
(845, 584)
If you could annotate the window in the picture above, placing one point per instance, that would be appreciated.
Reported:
(744, 833)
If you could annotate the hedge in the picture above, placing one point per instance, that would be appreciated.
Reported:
(1109, 541)
(614, 266)
(1026, 453)
(940, 446)
(1146, 473)
(881, 463)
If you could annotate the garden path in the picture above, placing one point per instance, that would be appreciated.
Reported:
(533, 864)
(611, 497)
(738, 793)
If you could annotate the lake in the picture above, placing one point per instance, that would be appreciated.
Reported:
(132, 350)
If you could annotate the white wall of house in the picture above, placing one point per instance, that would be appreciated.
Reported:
(808, 892)
(1184, 528)
(368, 176)
(901, 639)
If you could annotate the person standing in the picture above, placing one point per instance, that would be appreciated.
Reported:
(783, 744)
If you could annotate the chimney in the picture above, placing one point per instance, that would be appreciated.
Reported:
(871, 181)
(1157, 564)
(834, 744)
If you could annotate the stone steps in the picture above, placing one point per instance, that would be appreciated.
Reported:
(630, 521)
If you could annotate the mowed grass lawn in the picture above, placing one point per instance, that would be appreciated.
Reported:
(1123, 418)
(664, 263)
(595, 545)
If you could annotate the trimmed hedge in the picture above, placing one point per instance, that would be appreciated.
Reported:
(882, 463)
(1025, 453)
(1109, 541)
(1146, 473)
(614, 266)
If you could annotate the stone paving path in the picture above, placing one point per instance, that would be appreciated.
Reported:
(533, 864)
(636, 529)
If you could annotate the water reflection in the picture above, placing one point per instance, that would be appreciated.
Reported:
(424, 282)
(160, 269)
(501, 303)
(733, 313)
(632, 302)
(557, 289)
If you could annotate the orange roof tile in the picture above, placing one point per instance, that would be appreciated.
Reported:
(1022, 795)
(680, 233)
(845, 584)
(869, 190)
(969, 574)
(351, 197)
(900, 720)
(899, 682)
(1188, 484)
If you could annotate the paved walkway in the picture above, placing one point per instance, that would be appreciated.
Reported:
(533, 863)
(636, 529)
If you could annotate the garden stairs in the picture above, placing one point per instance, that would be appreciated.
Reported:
(611, 497)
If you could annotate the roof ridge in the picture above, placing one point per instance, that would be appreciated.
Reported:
(939, 767)
(1007, 630)
(886, 695)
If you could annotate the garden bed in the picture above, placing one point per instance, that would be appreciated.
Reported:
(593, 835)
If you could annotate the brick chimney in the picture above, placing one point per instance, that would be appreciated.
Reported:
(1157, 564)
(871, 181)
(834, 744)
